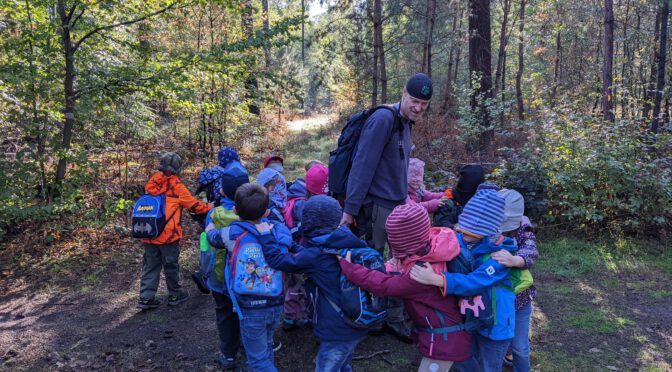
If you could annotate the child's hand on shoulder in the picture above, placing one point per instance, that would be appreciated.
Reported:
(264, 227)
(423, 273)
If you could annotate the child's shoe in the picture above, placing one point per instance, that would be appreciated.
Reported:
(226, 363)
(147, 303)
(291, 324)
(174, 300)
(199, 279)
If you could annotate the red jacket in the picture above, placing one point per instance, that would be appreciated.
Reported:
(422, 302)
(177, 197)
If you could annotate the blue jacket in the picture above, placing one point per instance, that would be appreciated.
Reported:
(224, 240)
(491, 280)
(378, 172)
(323, 277)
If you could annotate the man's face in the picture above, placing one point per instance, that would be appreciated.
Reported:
(411, 107)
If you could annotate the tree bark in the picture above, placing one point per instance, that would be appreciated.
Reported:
(607, 66)
(378, 30)
(519, 73)
(267, 44)
(662, 54)
(480, 67)
(251, 83)
(556, 65)
(650, 85)
(68, 90)
(506, 7)
(448, 98)
(430, 22)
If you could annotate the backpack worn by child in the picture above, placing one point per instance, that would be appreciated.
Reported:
(251, 282)
(340, 160)
(149, 216)
(359, 308)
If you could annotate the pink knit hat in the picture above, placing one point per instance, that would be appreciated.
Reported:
(316, 179)
(416, 171)
(407, 229)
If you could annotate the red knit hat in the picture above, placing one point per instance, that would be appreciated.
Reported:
(407, 229)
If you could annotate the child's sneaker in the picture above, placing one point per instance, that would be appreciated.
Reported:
(226, 363)
(291, 324)
(199, 279)
(147, 303)
(174, 300)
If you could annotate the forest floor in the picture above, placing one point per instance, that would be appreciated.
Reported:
(602, 305)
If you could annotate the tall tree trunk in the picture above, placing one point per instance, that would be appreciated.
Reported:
(450, 77)
(660, 84)
(650, 85)
(68, 90)
(267, 44)
(251, 83)
(519, 73)
(506, 7)
(303, 32)
(378, 29)
(430, 21)
(607, 66)
(480, 67)
(376, 50)
(556, 65)
(626, 61)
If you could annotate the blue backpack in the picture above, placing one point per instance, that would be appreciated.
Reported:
(359, 308)
(251, 283)
(149, 216)
(340, 160)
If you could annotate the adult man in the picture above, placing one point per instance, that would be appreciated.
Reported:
(378, 180)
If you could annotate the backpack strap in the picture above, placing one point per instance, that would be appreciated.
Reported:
(398, 124)
(227, 274)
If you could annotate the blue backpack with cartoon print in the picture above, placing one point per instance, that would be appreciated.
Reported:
(251, 282)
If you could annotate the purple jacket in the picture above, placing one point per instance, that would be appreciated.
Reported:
(422, 303)
(527, 249)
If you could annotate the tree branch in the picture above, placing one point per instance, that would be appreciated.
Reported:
(74, 22)
(124, 23)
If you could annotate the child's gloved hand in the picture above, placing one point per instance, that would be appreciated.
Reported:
(263, 227)
(211, 226)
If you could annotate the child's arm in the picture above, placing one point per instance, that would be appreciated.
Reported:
(487, 275)
(526, 255)
(187, 201)
(381, 284)
(301, 262)
(218, 238)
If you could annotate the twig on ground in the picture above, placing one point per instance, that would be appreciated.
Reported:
(362, 357)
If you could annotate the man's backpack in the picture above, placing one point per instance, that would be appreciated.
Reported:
(359, 308)
(251, 283)
(340, 160)
(149, 216)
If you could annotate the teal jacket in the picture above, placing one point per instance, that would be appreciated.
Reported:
(491, 280)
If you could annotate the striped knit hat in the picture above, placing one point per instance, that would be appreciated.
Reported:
(483, 215)
(408, 229)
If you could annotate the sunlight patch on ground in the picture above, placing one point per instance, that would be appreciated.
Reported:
(312, 122)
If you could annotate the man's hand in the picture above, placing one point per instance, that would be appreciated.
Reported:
(505, 258)
(211, 226)
(263, 227)
(426, 275)
(347, 219)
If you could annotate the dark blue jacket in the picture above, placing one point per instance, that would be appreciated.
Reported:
(323, 277)
(490, 279)
(378, 172)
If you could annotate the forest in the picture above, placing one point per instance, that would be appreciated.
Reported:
(567, 102)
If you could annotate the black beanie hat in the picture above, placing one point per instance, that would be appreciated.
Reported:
(420, 86)
(471, 175)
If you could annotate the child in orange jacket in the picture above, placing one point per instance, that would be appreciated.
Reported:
(164, 250)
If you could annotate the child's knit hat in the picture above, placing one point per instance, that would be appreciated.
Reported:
(234, 176)
(416, 171)
(317, 178)
(514, 208)
(407, 229)
(321, 215)
(471, 175)
(483, 215)
(227, 155)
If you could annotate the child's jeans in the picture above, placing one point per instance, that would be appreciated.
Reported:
(295, 305)
(164, 256)
(335, 356)
(228, 325)
(486, 355)
(520, 344)
(256, 330)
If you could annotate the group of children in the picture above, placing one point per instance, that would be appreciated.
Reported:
(446, 273)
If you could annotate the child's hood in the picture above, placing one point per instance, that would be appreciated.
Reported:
(297, 189)
(221, 217)
(159, 182)
(488, 245)
(282, 234)
(342, 237)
